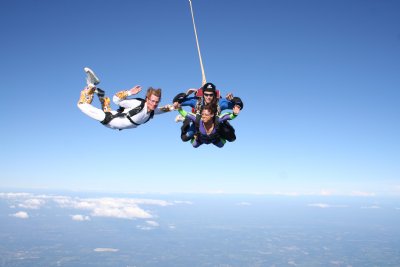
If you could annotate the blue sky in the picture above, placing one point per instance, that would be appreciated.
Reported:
(319, 79)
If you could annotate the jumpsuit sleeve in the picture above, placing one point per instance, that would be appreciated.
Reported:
(227, 116)
(161, 110)
(186, 114)
(120, 100)
(225, 104)
(189, 101)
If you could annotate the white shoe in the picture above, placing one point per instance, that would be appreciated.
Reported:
(91, 78)
(179, 118)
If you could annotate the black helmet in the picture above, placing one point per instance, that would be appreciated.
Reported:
(179, 98)
(238, 101)
(209, 87)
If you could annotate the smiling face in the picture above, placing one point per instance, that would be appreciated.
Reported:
(207, 115)
(152, 102)
(153, 97)
(208, 97)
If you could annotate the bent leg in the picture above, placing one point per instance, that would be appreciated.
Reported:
(85, 104)
(86, 96)
(220, 143)
(192, 129)
(195, 143)
(184, 130)
(227, 131)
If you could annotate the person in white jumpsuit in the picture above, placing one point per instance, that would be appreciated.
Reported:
(117, 119)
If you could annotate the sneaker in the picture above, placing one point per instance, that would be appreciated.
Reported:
(91, 78)
(179, 118)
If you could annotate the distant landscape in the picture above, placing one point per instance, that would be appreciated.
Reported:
(77, 229)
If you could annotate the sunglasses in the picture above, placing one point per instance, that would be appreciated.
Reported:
(210, 95)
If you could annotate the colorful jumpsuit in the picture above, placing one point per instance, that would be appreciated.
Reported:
(203, 137)
(120, 122)
(192, 101)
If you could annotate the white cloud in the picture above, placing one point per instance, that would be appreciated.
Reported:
(122, 208)
(243, 204)
(80, 218)
(153, 223)
(150, 225)
(144, 228)
(129, 212)
(20, 215)
(32, 203)
(324, 205)
(105, 250)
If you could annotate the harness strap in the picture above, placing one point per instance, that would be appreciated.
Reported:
(109, 116)
(137, 124)
(129, 118)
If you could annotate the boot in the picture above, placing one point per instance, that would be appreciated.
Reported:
(105, 103)
(87, 95)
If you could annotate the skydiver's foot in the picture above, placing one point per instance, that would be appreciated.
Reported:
(179, 118)
(185, 138)
(91, 78)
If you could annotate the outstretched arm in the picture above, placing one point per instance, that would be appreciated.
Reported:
(165, 108)
(120, 97)
(230, 116)
(135, 90)
(191, 91)
(186, 114)
(229, 96)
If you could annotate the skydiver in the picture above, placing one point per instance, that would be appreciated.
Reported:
(207, 124)
(205, 95)
(132, 112)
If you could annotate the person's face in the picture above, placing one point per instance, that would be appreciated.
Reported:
(152, 102)
(206, 115)
(208, 97)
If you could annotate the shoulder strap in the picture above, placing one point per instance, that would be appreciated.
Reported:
(136, 110)
(139, 108)
(216, 122)
(197, 121)
(197, 124)
(199, 105)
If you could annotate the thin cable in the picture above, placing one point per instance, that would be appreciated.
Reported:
(198, 46)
